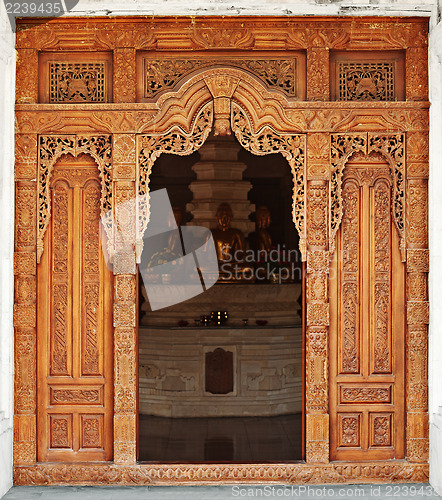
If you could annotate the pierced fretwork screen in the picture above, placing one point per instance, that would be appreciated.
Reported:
(366, 81)
(367, 327)
(367, 76)
(77, 82)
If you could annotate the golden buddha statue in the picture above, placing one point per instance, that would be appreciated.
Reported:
(228, 240)
(263, 220)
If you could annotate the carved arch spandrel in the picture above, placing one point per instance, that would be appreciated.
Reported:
(50, 149)
(176, 141)
(265, 141)
(392, 147)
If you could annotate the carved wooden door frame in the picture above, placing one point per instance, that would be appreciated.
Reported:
(316, 138)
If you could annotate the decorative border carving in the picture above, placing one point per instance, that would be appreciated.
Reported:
(338, 473)
(50, 149)
(292, 146)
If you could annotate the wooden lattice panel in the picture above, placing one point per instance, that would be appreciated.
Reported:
(367, 76)
(75, 78)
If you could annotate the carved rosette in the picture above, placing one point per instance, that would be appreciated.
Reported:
(176, 141)
(50, 149)
(265, 141)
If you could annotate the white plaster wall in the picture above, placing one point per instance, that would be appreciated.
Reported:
(257, 7)
(7, 85)
(225, 7)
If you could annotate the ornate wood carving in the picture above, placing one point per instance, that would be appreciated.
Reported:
(365, 394)
(344, 472)
(283, 74)
(391, 146)
(318, 78)
(51, 148)
(176, 141)
(367, 300)
(124, 75)
(266, 140)
(235, 33)
(27, 75)
(269, 115)
(74, 320)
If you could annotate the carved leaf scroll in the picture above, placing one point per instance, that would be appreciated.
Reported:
(291, 146)
(51, 148)
(392, 147)
(161, 75)
(174, 141)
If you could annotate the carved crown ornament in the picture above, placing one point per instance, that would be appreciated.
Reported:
(50, 150)
(392, 148)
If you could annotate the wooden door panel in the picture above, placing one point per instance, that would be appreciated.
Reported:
(74, 322)
(367, 326)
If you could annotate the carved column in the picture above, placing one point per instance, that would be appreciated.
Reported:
(125, 350)
(124, 75)
(27, 75)
(317, 417)
(417, 298)
(25, 300)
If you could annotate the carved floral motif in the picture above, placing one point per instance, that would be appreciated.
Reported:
(51, 148)
(292, 147)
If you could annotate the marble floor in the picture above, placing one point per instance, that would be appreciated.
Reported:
(301, 492)
(224, 439)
